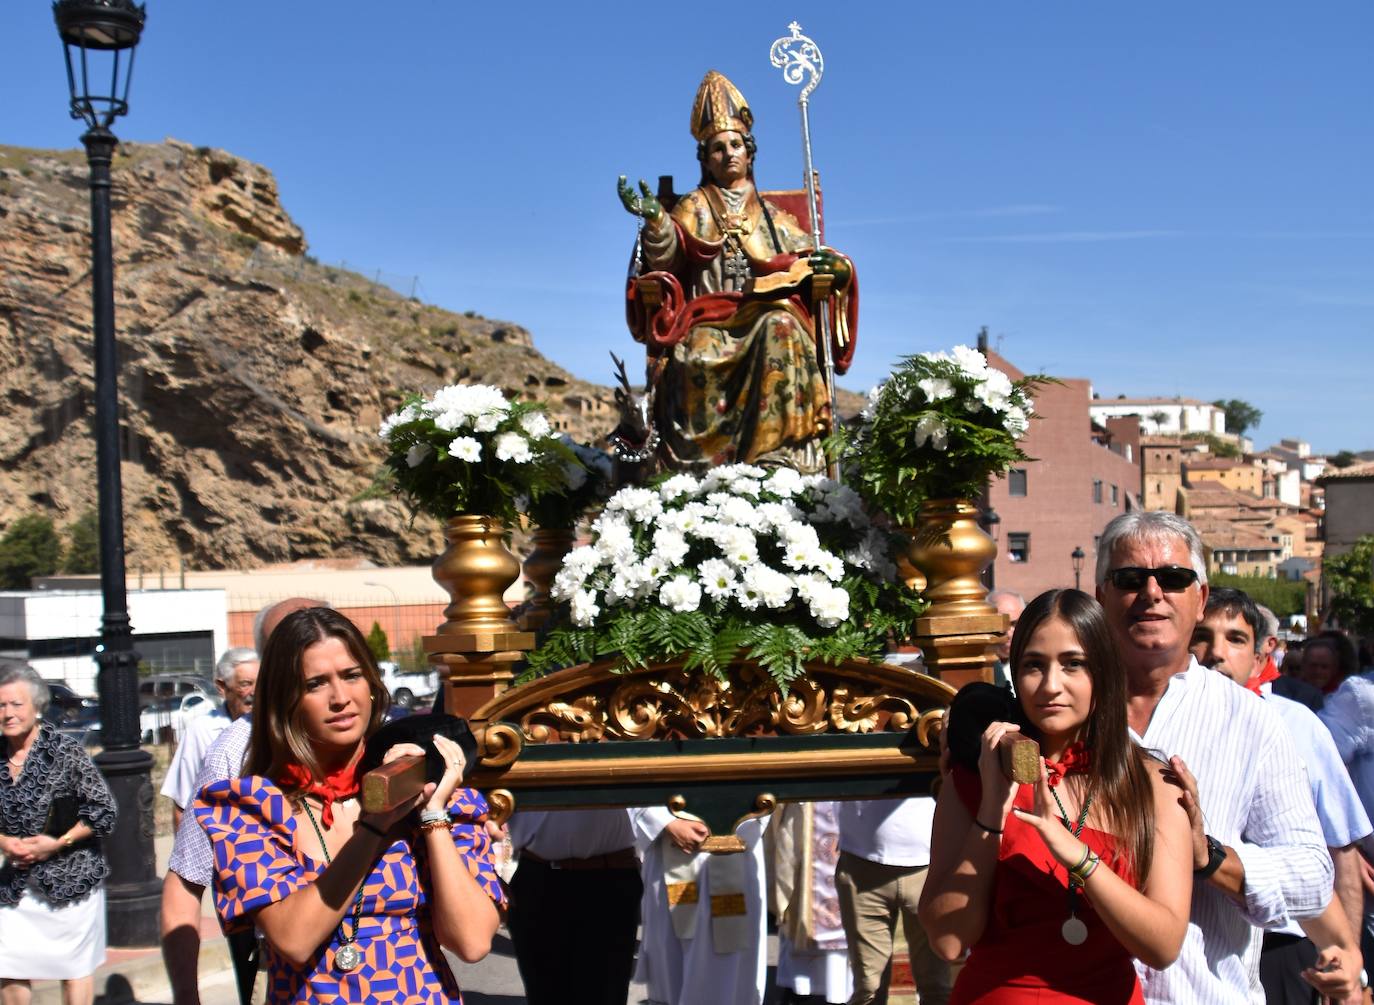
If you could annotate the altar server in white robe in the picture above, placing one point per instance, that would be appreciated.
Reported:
(704, 937)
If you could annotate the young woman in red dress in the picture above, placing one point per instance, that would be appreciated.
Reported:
(1053, 888)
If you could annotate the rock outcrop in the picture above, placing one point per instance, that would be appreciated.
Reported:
(252, 378)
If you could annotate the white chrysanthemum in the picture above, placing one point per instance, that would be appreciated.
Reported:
(614, 540)
(584, 608)
(718, 499)
(680, 594)
(740, 512)
(971, 361)
(931, 428)
(830, 564)
(772, 586)
(584, 559)
(487, 422)
(706, 530)
(417, 453)
(829, 606)
(777, 516)
(746, 487)
(783, 482)
(801, 546)
(1017, 422)
(738, 545)
(678, 485)
(935, 388)
(718, 578)
(465, 448)
(513, 447)
(627, 584)
(691, 518)
(450, 421)
(535, 425)
(408, 414)
(747, 596)
(670, 546)
(639, 504)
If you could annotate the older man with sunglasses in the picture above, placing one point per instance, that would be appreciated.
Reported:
(1258, 850)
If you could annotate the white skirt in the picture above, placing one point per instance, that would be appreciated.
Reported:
(41, 942)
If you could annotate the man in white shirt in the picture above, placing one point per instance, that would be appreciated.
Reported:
(235, 675)
(1259, 853)
(884, 855)
(1231, 640)
(574, 905)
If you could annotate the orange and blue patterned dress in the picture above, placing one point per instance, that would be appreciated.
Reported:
(252, 831)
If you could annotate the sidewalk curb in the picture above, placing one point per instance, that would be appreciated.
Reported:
(133, 980)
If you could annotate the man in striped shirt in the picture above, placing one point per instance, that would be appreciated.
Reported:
(1259, 854)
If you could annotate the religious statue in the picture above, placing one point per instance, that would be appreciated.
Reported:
(725, 293)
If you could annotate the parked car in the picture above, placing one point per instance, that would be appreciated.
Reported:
(173, 715)
(408, 688)
(66, 705)
(172, 685)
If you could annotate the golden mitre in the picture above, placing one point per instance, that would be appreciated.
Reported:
(719, 107)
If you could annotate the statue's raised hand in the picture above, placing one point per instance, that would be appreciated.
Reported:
(644, 205)
(832, 262)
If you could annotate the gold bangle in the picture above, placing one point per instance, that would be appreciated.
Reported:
(67, 839)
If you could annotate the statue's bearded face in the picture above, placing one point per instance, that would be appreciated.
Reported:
(727, 159)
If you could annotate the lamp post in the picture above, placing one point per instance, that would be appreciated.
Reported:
(97, 36)
(1078, 557)
(991, 524)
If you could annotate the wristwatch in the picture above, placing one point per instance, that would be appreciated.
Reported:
(1216, 854)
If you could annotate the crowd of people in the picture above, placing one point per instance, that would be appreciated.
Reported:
(1195, 832)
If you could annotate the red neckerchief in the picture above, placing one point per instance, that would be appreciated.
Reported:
(342, 784)
(1077, 759)
(1270, 672)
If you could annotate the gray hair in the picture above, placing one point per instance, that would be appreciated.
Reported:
(14, 671)
(1155, 526)
(224, 669)
(260, 619)
(997, 595)
(1270, 625)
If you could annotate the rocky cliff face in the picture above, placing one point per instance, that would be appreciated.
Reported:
(252, 379)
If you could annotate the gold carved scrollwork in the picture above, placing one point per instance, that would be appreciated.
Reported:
(501, 803)
(929, 726)
(669, 702)
(858, 713)
(501, 744)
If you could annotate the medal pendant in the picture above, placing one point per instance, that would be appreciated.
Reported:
(1074, 931)
(348, 958)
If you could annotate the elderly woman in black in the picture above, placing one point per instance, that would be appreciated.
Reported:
(53, 806)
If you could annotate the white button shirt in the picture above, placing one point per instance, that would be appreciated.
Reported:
(1256, 800)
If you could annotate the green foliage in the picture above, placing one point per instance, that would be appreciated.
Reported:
(939, 427)
(377, 643)
(83, 545)
(1215, 444)
(1240, 415)
(1282, 596)
(1350, 578)
(1343, 459)
(586, 483)
(29, 548)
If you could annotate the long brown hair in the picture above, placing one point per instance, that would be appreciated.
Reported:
(1117, 778)
(279, 737)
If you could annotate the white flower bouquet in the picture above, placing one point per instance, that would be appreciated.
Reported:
(468, 449)
(586, 482)
(938, 428)
(782, 566)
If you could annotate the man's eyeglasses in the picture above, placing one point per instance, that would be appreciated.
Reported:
(1171, 578)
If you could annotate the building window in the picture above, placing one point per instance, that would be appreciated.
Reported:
(1016, 482)
(1097, 490)
(1114, 495)
(1018, 547)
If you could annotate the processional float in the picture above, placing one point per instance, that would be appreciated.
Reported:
(667, 694)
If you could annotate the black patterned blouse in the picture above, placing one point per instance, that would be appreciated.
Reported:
(56, 766)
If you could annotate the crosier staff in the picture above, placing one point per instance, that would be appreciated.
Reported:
(800, 58)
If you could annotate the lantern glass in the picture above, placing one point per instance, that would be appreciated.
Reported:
(99, 37)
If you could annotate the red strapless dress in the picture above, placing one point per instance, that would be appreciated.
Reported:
(1022, 957)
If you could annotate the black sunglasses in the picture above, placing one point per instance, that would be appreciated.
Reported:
(1171, 578)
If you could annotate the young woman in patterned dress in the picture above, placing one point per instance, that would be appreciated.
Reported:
(354, 907)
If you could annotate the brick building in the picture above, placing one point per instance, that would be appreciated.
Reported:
(1082, 476)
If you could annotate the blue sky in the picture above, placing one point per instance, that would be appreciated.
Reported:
(1166, 198)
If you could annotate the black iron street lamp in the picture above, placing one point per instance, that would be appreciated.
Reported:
(99, 37)
(1078, 558)
(992, 525)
